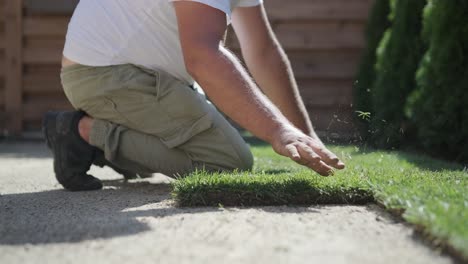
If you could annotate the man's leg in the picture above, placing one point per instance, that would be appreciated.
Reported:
(154, 121)
(216, 149)
(136, 151)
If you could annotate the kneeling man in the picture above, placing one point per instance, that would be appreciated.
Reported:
(129, 68)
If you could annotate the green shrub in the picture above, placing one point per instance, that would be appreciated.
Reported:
(439, 105)
(398, 57)
(377, 24)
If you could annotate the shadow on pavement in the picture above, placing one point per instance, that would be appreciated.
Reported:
(58, 216)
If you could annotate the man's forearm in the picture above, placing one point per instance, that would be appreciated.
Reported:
(230, 88)
(273, 73)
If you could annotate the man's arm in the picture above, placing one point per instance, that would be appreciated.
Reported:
(269, 65)
(230, 88)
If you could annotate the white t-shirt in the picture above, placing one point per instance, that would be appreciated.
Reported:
(140, 32)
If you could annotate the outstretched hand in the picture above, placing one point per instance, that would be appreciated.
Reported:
(307, 151)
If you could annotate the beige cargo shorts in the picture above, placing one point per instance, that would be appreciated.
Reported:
(149, 121)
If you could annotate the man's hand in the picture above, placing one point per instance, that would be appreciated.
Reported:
(307, 151)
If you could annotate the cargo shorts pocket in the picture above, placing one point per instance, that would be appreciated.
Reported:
(171, 110)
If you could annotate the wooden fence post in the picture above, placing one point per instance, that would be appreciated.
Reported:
(14, 66)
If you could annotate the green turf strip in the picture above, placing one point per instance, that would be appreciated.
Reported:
(267, 189)
(431, 194)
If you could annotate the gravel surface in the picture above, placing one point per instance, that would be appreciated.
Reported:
(138, 222)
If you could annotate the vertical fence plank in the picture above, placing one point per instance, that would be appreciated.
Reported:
(13, 65)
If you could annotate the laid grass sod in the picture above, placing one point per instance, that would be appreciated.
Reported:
(431, 194)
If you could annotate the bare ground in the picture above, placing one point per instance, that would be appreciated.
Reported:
(138, 222)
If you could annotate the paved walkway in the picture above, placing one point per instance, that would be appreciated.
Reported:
(137, 223)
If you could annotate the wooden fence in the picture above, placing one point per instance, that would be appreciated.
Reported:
(323, 39)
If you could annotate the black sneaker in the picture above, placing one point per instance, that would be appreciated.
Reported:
(100, 161)
(72, 155)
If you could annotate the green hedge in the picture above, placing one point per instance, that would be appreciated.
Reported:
(398, 57)
(377, 24)
(439, 105)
